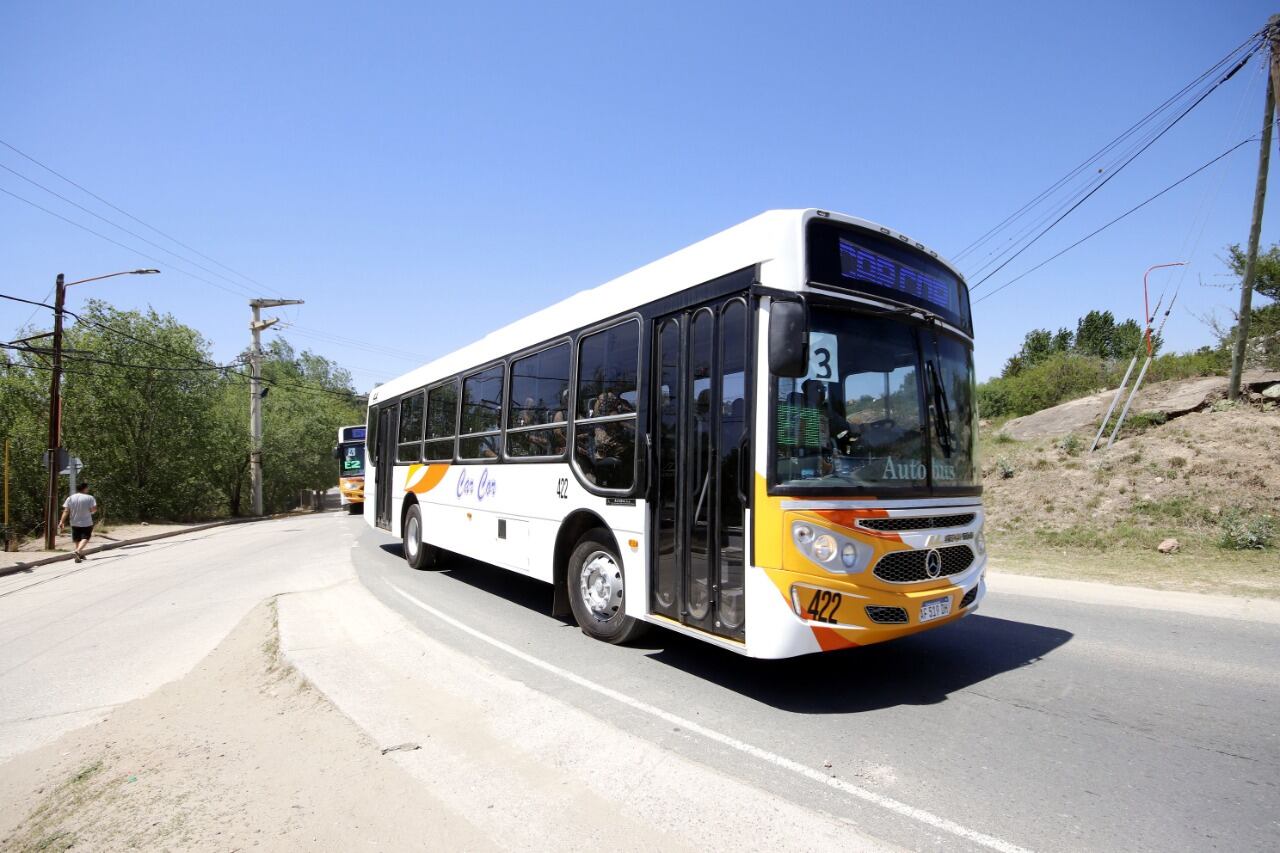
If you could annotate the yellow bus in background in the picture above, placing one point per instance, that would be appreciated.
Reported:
(350, 455)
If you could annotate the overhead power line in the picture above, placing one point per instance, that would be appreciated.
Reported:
(72, 356)
(123, 212)
(1131, 210)
(1116, 172)
(1250, 43)
(246, 290)
(354, 343)
(127, 248)
(349, 395)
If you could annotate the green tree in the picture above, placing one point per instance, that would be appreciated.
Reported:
(138, 403)
(1098, 334)
(1267, 274)
(24, 411)
(1038, 345)
(308, 399)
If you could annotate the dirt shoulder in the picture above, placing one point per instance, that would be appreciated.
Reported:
(241, 752)
(1209, 479)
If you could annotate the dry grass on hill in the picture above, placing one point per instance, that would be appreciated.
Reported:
(1207, 478)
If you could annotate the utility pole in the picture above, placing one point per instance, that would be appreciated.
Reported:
(55, 399)
(1255, 226)
(55, 417)
(255, 392)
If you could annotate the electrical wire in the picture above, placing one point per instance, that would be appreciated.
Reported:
(175, 240)
(1131, 210)
(246, 290)
(76, 356)
(115, 242)
(354, 343)
(350, 395)
(1113, 174)
(1251, 44)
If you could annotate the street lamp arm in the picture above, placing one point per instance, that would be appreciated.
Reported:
(112, 275)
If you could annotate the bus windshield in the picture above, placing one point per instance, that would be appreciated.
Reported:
(885, 404)
(351, 460)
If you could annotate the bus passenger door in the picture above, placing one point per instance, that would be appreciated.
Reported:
(699, 436)
(383, 462)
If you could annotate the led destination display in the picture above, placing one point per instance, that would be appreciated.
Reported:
(849, 258)
(861, 263)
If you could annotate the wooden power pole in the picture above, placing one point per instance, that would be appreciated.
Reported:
(1255, 226)
(255, 394)
(55, 417)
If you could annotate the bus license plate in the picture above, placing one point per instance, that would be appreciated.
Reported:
(935, 609)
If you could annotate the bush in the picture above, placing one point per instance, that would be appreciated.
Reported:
(1069, 444)
(1059, 377)
(1203, 362)
(1145, 420)
(1243, 531)
(1004, 468)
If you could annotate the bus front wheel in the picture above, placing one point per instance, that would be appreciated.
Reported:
(597, 591)
(418, 554)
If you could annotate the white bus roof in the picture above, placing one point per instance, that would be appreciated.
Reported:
(774, 239)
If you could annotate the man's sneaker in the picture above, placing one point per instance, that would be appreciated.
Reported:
(78, 558)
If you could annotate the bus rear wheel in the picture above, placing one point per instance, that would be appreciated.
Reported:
(418, 554)
(597, 591)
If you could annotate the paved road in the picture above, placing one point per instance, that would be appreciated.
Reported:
(1046, 724)
(1049, 725)
(77, 640)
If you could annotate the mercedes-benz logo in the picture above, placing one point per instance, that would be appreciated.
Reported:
(933, 563)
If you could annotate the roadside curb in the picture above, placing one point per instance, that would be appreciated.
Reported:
(21, 568)
(1143, 598)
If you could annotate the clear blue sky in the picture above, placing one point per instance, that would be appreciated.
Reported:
(423, 173)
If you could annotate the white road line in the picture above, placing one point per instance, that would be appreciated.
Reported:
(925, 817)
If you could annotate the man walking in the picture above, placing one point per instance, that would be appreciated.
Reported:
(79, 508)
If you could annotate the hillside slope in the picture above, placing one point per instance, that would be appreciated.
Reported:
(1209, 478)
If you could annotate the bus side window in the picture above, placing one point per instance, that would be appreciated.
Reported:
(605, 429)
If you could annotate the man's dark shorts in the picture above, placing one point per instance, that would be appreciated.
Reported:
(78, 533)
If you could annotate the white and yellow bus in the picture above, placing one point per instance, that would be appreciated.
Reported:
(349, 451)
(765, 440)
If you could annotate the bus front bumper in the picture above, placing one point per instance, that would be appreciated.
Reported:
(826, 613)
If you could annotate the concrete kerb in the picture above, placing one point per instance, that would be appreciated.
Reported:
(109, 546)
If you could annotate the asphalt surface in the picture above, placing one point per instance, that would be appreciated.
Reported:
(1049, 725)
(1042, 723)
(78, 639)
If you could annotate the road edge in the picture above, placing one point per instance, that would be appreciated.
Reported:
(22, 568)
(1140, 597)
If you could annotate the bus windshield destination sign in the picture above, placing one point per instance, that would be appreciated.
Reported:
(857, 259)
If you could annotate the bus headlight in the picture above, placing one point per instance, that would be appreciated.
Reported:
(849, 555)
(824, 548)
(980, 543)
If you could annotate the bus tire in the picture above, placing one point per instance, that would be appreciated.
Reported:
(355, 509)
(418, 554)
(597, 593)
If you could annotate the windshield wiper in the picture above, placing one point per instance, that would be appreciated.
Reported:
(943, 409)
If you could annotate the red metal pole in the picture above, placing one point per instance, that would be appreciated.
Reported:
(1146, 301)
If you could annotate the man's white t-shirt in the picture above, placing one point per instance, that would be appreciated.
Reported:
(81, 508)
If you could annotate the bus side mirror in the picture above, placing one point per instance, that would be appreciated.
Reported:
(788, 339)
(336, 453)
